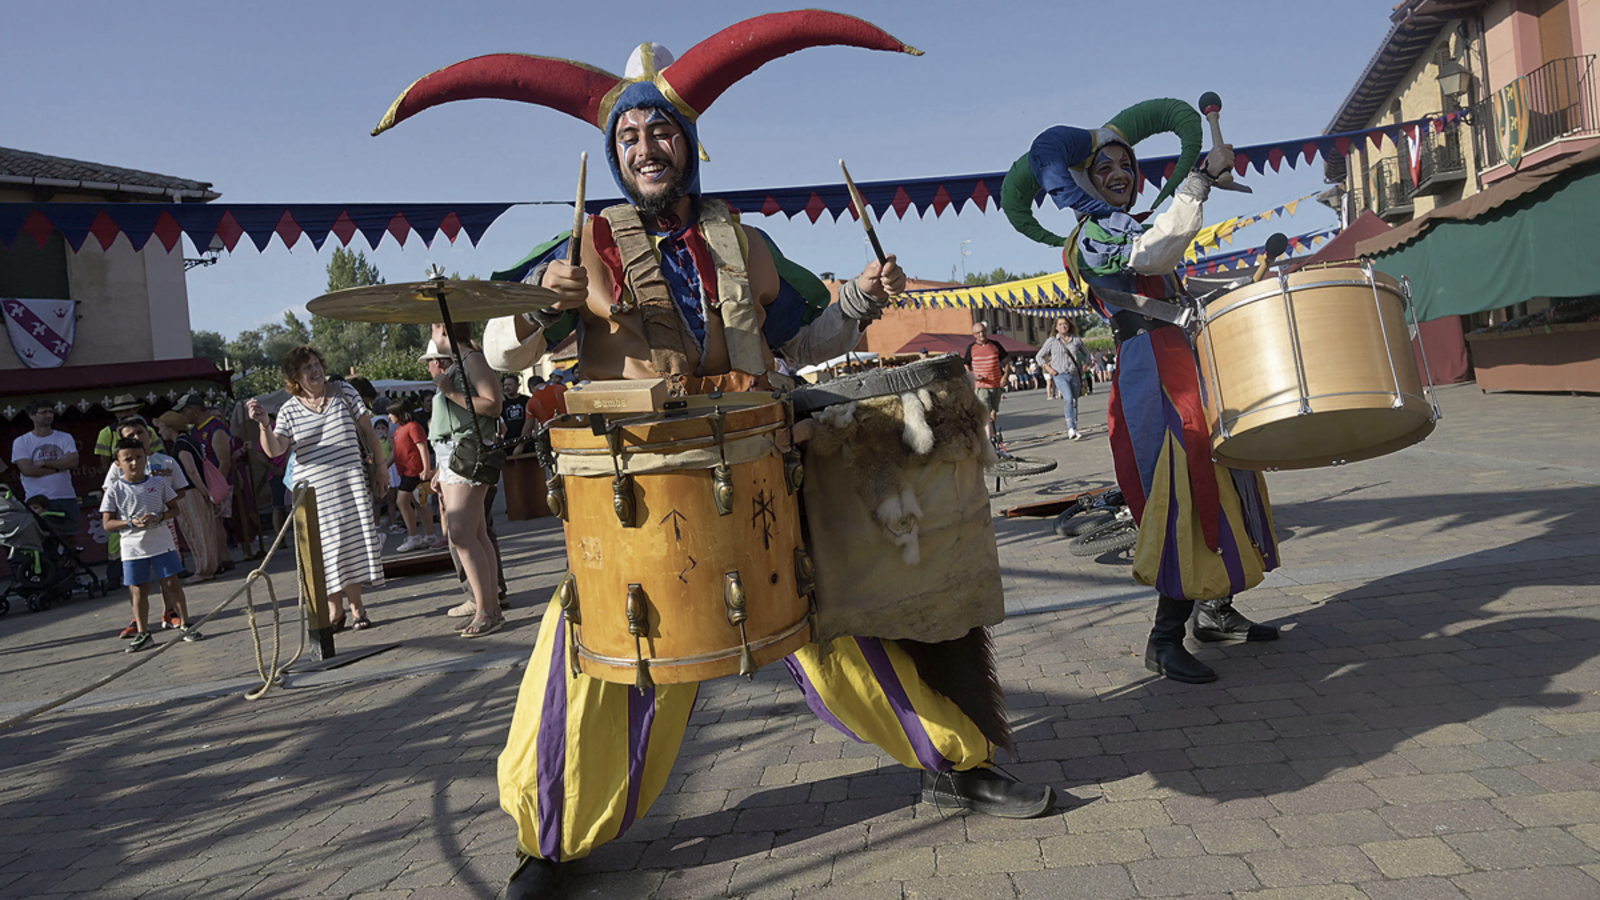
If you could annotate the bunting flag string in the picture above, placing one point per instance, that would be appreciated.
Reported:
(958, 192)
(1212, 236)
(229, 222)
(1246, 259)
(1054, 291)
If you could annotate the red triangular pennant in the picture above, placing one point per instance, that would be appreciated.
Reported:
(771, 207)
(104, 230)
(228, 229)
(451, 226)
(344, 229)
(1275, 158)
(980, 195)
(168, 231)
(288, 230)
(399, 228)
(39, 228)
(901, 202)
(816, 207)
(940, 201)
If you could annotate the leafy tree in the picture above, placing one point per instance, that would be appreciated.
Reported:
(998, 276)
(210, 345)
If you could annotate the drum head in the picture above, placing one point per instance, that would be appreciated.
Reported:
(1329, 438)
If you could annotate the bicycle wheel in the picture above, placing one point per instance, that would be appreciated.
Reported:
(1074, 525)
(1016, 466)
(1118, 536)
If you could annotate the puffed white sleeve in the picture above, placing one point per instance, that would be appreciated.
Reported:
(505, 352)
(1160, 248)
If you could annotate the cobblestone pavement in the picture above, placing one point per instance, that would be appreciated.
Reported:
(1427, 728)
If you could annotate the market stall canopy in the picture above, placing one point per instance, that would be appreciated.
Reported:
(1530, 235)
(936, 344)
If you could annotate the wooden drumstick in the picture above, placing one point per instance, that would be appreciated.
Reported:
(861, 210)
(1211, 108)
(1275, 247)
(575, 247)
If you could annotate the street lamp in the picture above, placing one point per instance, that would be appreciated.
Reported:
(964, 254)
(1453, 78)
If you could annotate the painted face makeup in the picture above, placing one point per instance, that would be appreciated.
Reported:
(1114, 177)
(653, 155)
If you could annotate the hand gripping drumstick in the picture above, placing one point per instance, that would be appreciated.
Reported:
(861, 210)
(575, 246)
(1211, 107)
(1275, 247)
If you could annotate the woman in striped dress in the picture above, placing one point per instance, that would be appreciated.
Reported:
(325, 424)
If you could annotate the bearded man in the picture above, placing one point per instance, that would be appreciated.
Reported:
(671, 285)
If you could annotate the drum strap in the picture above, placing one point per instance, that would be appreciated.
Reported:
(664, 328)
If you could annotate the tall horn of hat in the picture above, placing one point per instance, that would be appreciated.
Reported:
(1048, 165)
(692, 83)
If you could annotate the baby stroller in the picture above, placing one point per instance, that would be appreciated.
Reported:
(44, 569)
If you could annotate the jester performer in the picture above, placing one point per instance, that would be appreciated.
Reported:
(671, 285)
(1205, 531)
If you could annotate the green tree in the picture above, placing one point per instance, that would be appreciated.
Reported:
(210, 345)
(999, 276)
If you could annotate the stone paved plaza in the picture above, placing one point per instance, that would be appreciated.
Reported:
(1428, 728)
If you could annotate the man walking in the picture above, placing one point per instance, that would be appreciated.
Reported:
(987, 362)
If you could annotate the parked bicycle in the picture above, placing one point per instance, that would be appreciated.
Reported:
(1098, 523)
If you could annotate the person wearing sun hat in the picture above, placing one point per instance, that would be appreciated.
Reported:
(1205, 531)
(124, 407)
(672, 285)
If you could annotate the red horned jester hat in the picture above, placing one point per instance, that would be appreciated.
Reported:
(685, 87)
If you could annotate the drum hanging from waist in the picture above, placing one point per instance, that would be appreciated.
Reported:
(1313, 369)
(683, 540)
(896, 509)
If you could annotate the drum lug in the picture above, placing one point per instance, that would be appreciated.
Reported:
(722, 489)
(805, 584)
(622, 500)
(794, 471)
(555, 497)
(733, 597)
(1399, 402)
(567, 598)
(637, 609)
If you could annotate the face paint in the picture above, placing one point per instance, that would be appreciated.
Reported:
(1114, 177)
(652, 154)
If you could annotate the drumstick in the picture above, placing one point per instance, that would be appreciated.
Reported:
(575, 248)
(1211, 107)
(861, 210)
(1275, 247)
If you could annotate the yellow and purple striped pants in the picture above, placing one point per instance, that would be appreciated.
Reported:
(586, 758)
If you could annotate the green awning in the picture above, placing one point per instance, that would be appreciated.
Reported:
(1533, 235)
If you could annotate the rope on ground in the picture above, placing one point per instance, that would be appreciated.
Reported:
(145, 658)
(273, 675)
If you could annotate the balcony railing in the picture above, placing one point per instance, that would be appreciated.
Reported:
(1560, 103)
(1440, 162)
(1391, 189)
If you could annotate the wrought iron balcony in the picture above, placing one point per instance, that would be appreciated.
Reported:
(1392, 189)
(1558, 101)
(1440, 162)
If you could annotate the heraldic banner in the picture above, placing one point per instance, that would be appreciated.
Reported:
(41, 331)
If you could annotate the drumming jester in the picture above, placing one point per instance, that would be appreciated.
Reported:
(671, 285)
(1205, 531)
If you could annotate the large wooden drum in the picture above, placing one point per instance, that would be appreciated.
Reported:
(1311, 369)
(683, 537)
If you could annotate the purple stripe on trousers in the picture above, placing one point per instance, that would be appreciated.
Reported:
(1169, 577)
(552, 748)
(641, 715)
(1229, 547)
(814, 701)
(878, 658)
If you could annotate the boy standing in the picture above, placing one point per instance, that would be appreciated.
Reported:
(138, 505)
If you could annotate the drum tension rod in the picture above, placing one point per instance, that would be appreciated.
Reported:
(721, 476)
(638, 613)
(733, 597)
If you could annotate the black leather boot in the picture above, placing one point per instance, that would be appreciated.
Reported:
(1217, 620)
(987, 791)
(537, 879)
(1165, 654)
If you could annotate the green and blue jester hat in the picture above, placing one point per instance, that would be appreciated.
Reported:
(1058, 164)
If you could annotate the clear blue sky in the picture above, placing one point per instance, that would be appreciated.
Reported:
(273, 102)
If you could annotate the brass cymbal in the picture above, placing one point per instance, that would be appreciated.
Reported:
(417, 303)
